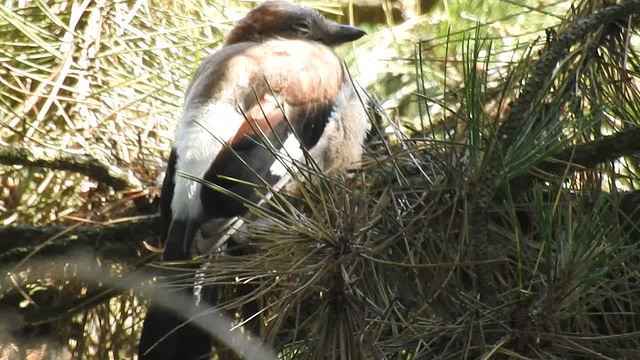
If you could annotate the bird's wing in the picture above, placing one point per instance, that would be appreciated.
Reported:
(248, 105)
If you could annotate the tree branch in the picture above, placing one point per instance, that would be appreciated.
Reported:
(118, 241)
(581, 156)
(79, 163)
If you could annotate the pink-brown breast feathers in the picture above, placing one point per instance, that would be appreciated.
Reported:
(272, 76)
(303, 72)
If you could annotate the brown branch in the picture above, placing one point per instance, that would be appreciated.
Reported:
(608, 148)
(582, 156)
(120, 242)
(80, 163)
(117, 242)
(47, 313)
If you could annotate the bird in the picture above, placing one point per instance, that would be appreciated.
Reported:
(276, 80)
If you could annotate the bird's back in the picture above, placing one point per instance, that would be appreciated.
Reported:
(243, 94)
(300, 72)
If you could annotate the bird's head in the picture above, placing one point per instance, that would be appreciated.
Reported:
(282, 19)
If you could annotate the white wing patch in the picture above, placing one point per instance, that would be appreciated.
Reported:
(289, 152)
(199, 139)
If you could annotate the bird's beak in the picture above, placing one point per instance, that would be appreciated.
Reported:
(339, 34)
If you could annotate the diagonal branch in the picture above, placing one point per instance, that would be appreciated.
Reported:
(80, 163)
(581, 156)
(117, 241)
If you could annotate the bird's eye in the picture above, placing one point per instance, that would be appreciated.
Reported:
(301, 27)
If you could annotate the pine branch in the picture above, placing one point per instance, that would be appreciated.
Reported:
(80, 163)
(582, 156)
(119, 242)
(491, 176)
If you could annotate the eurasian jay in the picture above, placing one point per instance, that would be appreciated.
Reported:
(275, 81)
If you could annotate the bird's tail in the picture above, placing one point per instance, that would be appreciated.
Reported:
(169, 335)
